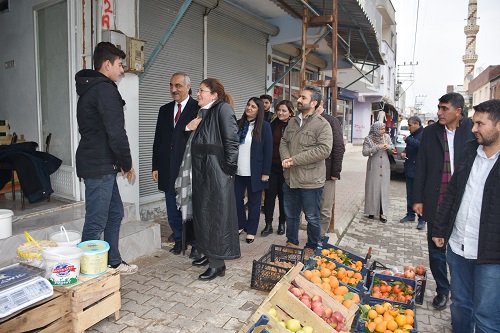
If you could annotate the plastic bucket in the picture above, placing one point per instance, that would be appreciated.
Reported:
(62, 264)
(95, 257)
(66, 237)
(5, 223)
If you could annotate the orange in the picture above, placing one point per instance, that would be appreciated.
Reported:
(399, 331)
(316, 279)
(381, 327)
(325, 272)
(407, 327)
(358, 276)
(341, 273)
(409, 312)
(308, 274)
(371, 326)
(345, 279)
(378, 320)
(379, 308)
(410, 320)
(334, 282)
(350, 273)
(372, 314)
(353, 281)
(355, 298)
(315, 272)
(331, 265)
(392, 325)
(326, 287)
(394, 312)
(325, 252)
(342, 290)
(348, 303)
(401, 320)
(387, 316)
(339, 298)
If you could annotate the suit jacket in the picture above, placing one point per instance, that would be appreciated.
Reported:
(430, 161)
(261, 155)
(170, 142)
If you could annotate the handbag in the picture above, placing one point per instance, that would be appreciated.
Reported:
(392, 160)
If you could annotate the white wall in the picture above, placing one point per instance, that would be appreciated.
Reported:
(361, 118)
(18, 102)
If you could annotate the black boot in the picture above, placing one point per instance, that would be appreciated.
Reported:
(268, 229)
(281, 228)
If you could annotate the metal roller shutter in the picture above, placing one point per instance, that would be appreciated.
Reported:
(183, 52)
(236, 56)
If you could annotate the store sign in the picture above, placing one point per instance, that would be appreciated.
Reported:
(107, 17)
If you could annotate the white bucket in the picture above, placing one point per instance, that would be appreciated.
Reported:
(95, 257)
(62, 264)
(5, 223)
(66, 238)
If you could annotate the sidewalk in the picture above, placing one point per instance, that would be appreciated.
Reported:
(165, 295)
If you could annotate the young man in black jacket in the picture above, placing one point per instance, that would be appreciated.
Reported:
(467, 221)
(103, 150)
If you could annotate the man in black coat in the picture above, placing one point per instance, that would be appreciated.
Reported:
(468, 222)
(171, 136)
(103, 150)
(441, 150)
(410, 157)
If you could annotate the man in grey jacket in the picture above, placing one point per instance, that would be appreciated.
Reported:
(305, 145)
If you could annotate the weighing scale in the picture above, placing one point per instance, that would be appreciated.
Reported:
(20, 286)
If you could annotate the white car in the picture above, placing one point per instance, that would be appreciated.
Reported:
(403, 128)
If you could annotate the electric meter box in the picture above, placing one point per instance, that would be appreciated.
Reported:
(133, 48)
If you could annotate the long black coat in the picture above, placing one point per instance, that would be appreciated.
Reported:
(488, 251)
(411, 150)
(430, 161)
(214, 153)
(170, 142)
(334, 161)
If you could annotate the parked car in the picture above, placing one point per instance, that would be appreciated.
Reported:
(399, 147)
(403, 128)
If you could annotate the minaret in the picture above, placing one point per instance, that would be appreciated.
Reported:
(471, 30)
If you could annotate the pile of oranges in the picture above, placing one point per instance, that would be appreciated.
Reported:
(395, 291)
(387, 318)
(327, 280)
(328, 268)
(339, 256)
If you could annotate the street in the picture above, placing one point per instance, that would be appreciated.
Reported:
(166, 296)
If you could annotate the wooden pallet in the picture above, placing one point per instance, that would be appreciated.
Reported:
(94, 299)
(47, 316)
(288, 306)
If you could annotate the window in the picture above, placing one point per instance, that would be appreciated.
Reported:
(284, 89)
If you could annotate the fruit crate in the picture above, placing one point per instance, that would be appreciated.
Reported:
(358, 289)
(324, 245)
(420, 280)
(94, 298)
(265, 274)
(388, 278)
(361, 324)
(48, 315)
(288, 306)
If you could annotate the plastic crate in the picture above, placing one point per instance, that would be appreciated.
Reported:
(360, 326)
(265, 275)
(358, 289)
(324, 245)
(421, 281)
(410, 304)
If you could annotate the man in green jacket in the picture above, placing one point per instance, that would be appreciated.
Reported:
(305, 145)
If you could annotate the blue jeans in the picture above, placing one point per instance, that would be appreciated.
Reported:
(174, 216)
(474, 295)
(103, 212)
(295, 200)
(437, 263)
(409, 190)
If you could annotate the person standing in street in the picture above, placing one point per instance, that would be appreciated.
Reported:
(276, 180)
(254, 165)
(333, 168)
(467, 223)
(410, 157)
(377, 146)
(305, 145)
(171, 135)
(268, 103)
(441, 149)
(103, 150)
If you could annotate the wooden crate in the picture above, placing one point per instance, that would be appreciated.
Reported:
(47, 316)
(288, 306)
(94, 299)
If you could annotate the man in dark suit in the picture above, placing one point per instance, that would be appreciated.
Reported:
(439, 154)
(171, 136)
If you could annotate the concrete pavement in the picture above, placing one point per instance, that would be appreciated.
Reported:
(165, 295)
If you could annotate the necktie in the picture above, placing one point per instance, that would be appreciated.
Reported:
(178, 114)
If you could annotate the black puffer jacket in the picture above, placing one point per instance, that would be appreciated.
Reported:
(103, 147)
(214, 151)
(489, 227)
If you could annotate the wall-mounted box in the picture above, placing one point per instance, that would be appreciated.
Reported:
(133, 48)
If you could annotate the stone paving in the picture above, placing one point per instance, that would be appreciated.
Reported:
(165, 295)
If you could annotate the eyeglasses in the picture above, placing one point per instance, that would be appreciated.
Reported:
(201, 90)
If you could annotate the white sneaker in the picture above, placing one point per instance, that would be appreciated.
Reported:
(126, 269)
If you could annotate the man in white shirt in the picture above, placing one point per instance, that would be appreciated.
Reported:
(468, 221)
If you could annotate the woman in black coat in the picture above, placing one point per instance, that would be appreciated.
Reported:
(284, 111)
(254, 165)
(214, 151)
